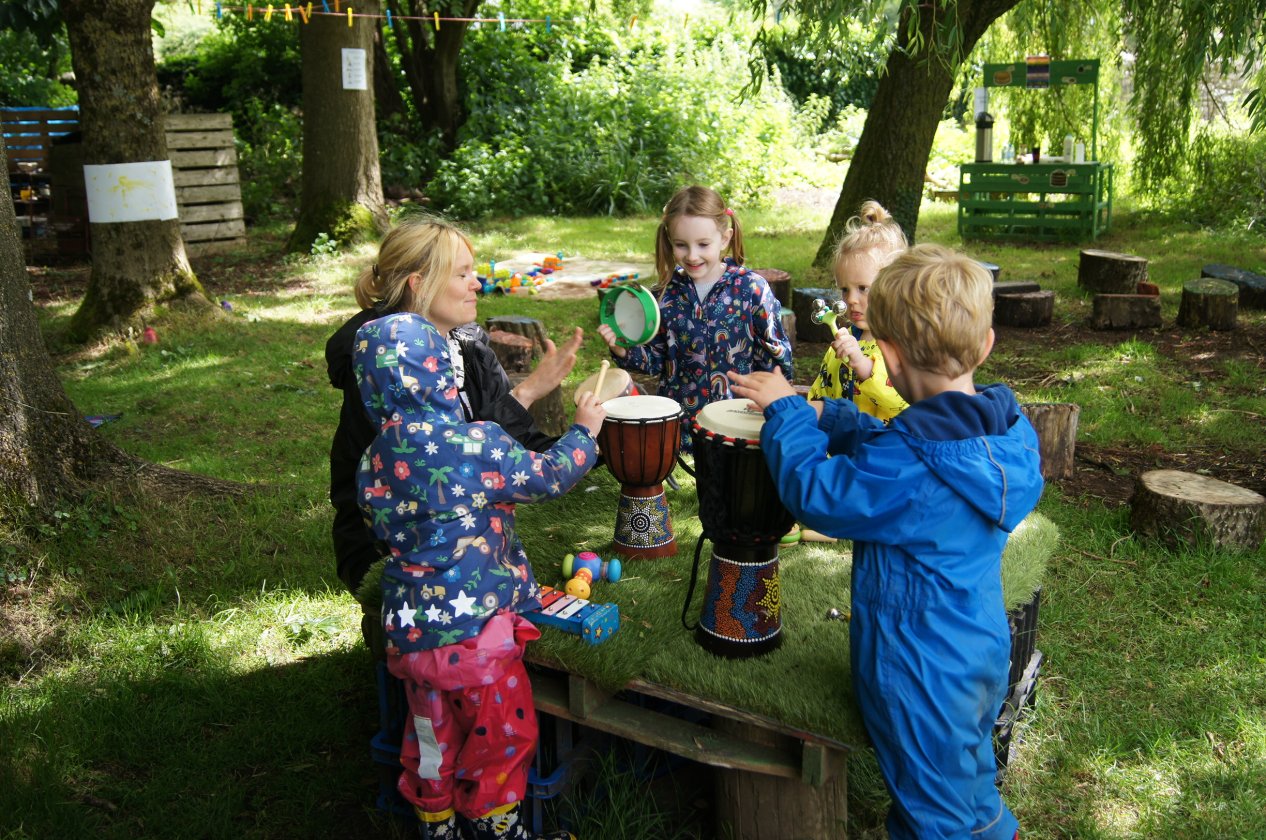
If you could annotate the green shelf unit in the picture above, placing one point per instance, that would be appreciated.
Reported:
(1044, 201)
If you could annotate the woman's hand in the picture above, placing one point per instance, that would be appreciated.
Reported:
(550, 371)
(608, 335)
(590, 413)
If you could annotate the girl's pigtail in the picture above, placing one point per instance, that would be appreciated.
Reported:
(736, 240)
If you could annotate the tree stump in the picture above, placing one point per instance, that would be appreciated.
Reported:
(779, 281)
(1016, 287)
(756, 806)
(1029, 309)
(1056, 427)
(802, 306)
(1105, 272)
(514, 351)
(1182, 508)
(789, 325)
(1252, 286)
(1125, 312)
(548, 411)
(1209, 302)
(994, 270)
(520, 325)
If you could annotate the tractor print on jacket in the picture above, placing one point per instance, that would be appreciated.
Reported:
(441, 492)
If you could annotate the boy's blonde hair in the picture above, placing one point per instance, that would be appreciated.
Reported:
(694, 201)
(422, 245)
(872, 230)
(936, 305)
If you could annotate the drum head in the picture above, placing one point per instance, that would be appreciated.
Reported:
(617, 383)
(641, 407)
(732, 419)
(632, 313)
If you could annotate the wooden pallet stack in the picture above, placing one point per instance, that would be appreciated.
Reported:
(204, 170)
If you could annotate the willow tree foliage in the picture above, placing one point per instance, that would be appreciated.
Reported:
(930, 41)
(1175, 42)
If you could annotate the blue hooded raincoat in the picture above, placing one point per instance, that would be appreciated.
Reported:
(441, 492)
(929, 501)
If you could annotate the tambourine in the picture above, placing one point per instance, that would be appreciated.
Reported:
(632, 313)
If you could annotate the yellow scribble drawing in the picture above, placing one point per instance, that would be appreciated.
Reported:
(126, 184)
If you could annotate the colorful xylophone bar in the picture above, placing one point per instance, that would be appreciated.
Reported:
(595, 623)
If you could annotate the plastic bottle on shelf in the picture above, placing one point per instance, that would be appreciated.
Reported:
(1079, 152)
(1068, 148)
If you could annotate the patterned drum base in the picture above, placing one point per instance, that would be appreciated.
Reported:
(643, 527)
(742, 608)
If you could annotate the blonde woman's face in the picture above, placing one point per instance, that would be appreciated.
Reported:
(854, 274)
(456, 302)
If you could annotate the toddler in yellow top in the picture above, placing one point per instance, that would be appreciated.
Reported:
(854, 366)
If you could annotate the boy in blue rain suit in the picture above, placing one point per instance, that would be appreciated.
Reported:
(929, 501)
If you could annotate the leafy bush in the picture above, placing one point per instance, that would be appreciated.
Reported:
(846, 76)
(30, 71)
(1224, 184)
(616, 131)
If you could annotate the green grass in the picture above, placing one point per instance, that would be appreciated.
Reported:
(193, 668)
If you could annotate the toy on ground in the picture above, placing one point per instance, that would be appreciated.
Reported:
(614, 280)
(584, 568)
(594, 623)
(824, 314)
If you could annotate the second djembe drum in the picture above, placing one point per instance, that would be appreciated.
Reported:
(743, 517)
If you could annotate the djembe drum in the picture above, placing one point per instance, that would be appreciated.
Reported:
(741, 513)
(639, 442)
(615, 383)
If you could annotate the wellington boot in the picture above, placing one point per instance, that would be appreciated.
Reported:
(439, 826)
(509, 823)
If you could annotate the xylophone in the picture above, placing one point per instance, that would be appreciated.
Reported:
(595, 623)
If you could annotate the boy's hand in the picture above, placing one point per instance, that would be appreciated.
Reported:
(608, 335)
(761, 387)
(590, 413)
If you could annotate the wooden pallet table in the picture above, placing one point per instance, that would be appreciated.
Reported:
(799, 778)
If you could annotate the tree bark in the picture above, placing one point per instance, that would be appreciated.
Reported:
(342, 184)
(47, 450)
(890, 162)
(430, 62)
(1209, 302)
(1056, 427)
(134, 264)
(1182, 508)
(1109, 273)
(1024, 309)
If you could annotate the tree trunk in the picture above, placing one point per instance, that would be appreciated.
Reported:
(47, 450)
(134, 264)
(890, 161)
(1182, 509)
(1209, 302)
(1109, 273)
(342, 185)
(430, 61)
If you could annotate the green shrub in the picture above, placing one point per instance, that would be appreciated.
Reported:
(557, 127)
(1224, 183)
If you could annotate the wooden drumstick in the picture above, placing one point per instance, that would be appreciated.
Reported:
(602, 374)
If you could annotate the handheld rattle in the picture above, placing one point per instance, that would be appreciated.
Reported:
(824, 314)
